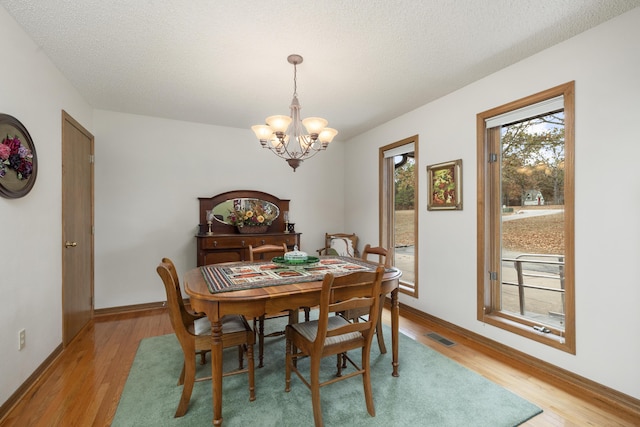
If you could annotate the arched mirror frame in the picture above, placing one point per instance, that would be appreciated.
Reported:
(217, 227)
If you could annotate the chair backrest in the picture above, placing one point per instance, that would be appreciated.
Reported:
(174, 275)
(180, 318)
(343, 244)
(357, 290)
(266, 249)
(376, 250)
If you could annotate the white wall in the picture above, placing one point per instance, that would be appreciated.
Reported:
(149, 174)
(605, 64)
(33, 91)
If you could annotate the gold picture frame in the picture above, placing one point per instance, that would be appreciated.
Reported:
(445, 186)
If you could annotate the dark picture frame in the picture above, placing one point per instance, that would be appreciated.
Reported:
(445, 186)
(19, 162)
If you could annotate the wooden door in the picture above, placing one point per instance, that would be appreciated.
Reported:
(77, 227)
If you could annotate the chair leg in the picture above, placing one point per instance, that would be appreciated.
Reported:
(189, 380)
(287, 363)
(383, 348)
(240, 357)
(252, 383)
(260, 341)
(315, 391)
(203, 357)
(366, 381)
(293, 318)
(181, 378)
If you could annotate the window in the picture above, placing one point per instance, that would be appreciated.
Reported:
(525, 217)
(398, 213)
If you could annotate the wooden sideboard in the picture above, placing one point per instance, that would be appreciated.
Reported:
(235, 247)
(225, 243)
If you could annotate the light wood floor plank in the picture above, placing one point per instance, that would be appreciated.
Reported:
(83, 386)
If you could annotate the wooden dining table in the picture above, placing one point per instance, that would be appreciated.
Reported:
(269, 299)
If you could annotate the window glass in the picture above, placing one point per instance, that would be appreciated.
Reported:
(405, 217)
(532, 220)
(398, 209)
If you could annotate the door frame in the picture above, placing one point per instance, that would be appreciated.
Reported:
(68, 120)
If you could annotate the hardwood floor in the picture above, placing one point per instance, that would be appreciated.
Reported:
(83, 386)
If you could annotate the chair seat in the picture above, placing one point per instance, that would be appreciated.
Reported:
(230, 324)
(202, 327)
(309, 330)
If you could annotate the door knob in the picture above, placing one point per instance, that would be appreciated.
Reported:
(70, 244)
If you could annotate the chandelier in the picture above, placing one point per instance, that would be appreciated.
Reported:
(284, 135)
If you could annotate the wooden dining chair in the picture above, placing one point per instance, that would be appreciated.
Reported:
(342, 244)
(189, 316)
(194, 335)
(333, 335)
(372, 254)
(259, 253)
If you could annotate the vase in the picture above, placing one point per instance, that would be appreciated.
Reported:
(253, 229)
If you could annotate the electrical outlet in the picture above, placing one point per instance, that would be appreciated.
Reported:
(22, 338)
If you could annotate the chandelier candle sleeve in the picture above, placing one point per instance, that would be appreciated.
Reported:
(284, 135)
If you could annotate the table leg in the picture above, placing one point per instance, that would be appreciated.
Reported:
(216, 370)
(395, 330)
(379, 336)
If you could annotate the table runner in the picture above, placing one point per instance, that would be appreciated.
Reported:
(250, 275)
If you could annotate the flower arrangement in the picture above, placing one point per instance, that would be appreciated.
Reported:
(252, 213)
(16, 156)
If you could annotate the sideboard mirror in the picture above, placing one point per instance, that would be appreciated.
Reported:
(223, 204)
(223, 210)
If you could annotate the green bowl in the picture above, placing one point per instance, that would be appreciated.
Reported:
(281, 260)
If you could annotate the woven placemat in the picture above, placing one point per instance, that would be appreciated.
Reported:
(250, 275)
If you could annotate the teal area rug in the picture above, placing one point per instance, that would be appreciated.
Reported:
(432, 390)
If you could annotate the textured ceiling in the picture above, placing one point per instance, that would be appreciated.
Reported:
(224, 63)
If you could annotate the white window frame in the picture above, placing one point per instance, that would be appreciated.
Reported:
(489, 209)
(386, 198)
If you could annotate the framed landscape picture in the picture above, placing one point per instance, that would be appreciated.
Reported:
(445, 186)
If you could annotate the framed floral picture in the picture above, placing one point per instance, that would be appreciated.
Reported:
(18, 161)
(445, 186)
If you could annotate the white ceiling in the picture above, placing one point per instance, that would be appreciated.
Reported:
(225, 62)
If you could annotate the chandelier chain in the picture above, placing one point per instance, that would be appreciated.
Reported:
(295, 79)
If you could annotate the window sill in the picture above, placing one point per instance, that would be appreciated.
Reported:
(563, 343)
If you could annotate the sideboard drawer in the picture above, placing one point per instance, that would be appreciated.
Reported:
(289, 239)
(224, 242)
(235, 247)
(216, 257)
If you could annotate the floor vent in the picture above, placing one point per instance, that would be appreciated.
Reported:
(440, 339)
